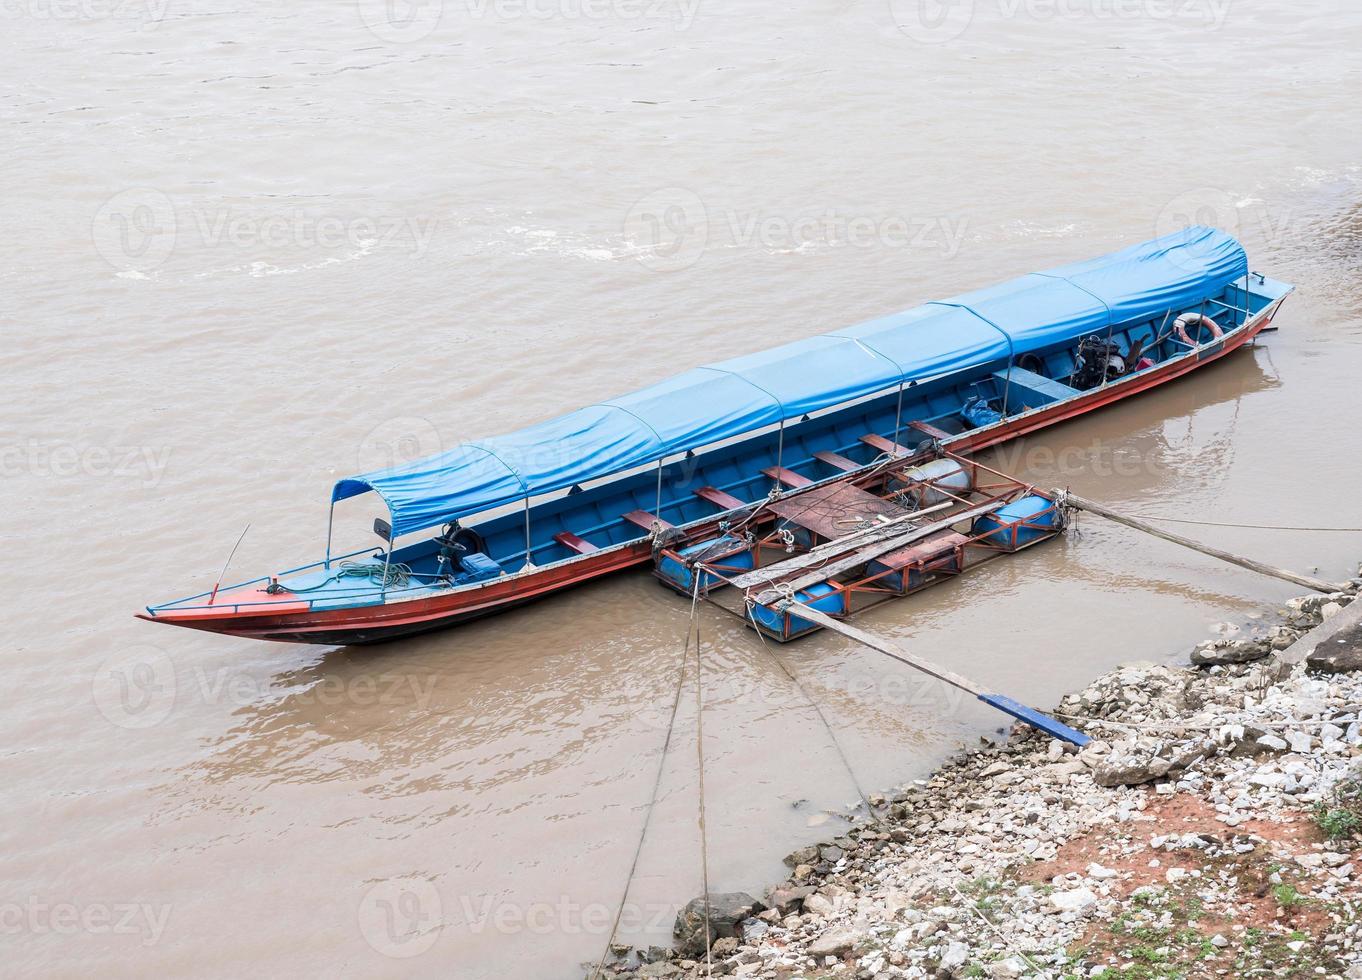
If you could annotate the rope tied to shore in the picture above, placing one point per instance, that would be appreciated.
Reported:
(1256, 527)
(657, 787)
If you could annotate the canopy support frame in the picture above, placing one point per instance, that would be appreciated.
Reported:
(330, 523)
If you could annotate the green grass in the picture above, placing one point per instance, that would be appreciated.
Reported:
(1336, 822)
(1287, 896)
(1340, 815)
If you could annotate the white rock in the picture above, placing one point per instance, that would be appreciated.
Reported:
(955, 956)
(1007, 969)
(1300, 741)
(1219, 941)
(819, 905)
(1077, 900)
(1100, 873)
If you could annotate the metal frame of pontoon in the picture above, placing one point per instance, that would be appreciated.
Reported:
(1006, 489)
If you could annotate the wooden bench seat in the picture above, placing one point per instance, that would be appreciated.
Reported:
(883, 445)
(788, 477)
(837, 461)
(571, 541)
(646, 520)
(719, 498)
(931, 430)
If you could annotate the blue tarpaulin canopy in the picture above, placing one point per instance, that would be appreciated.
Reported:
(733, 397)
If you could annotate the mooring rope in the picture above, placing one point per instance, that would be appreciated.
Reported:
(657, 786)
(700, 760)
(1258, 527)
(973, 907)
(827, 726)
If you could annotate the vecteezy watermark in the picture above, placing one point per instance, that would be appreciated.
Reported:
(145, 11)
(139, 688)
(940, 21)
(400, 21)
(670, 229)
(135, 688)
(680, 14)
(397, 440)
(38, 917)
(932, 21)
(895, 691)
(1216, 207)
(1097, 458)
(137, 230)
(407, 21)
(563, 915)
(146, 464)
(401, 917)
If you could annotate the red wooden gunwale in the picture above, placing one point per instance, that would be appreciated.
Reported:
(287, 622)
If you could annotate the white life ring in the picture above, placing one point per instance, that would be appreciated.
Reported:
(1181, 324)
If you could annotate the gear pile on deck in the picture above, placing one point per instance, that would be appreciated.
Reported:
(892, 530)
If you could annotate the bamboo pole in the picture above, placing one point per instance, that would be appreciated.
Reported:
(1066, 498)
(1037, 719)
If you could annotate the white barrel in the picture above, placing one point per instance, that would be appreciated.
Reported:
(946, 474)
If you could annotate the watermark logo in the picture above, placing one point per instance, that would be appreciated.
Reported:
(668, 229)
(941, 21)
(148, 12)
(932, 21)
(135, 688)
(401, 917)
(671, 229)
(564, 916)
(904, 692)
(395, 441)
(134, 230)
(137, 230)
(146, 464)
(401, 21)
(1215, 207)
(1209, 206)
(36, 917)
(139, 688)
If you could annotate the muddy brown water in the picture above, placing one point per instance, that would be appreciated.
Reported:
(249, 249)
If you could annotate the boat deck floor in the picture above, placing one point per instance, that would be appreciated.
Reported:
(836, 509)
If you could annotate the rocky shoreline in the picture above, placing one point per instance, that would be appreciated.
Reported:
(1208, 831)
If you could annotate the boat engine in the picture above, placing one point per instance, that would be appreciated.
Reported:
(457, 543)
(1098, 361)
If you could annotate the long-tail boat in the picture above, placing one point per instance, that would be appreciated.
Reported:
(513, 518)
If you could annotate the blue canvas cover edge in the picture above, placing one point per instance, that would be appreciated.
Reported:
(742, 394)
